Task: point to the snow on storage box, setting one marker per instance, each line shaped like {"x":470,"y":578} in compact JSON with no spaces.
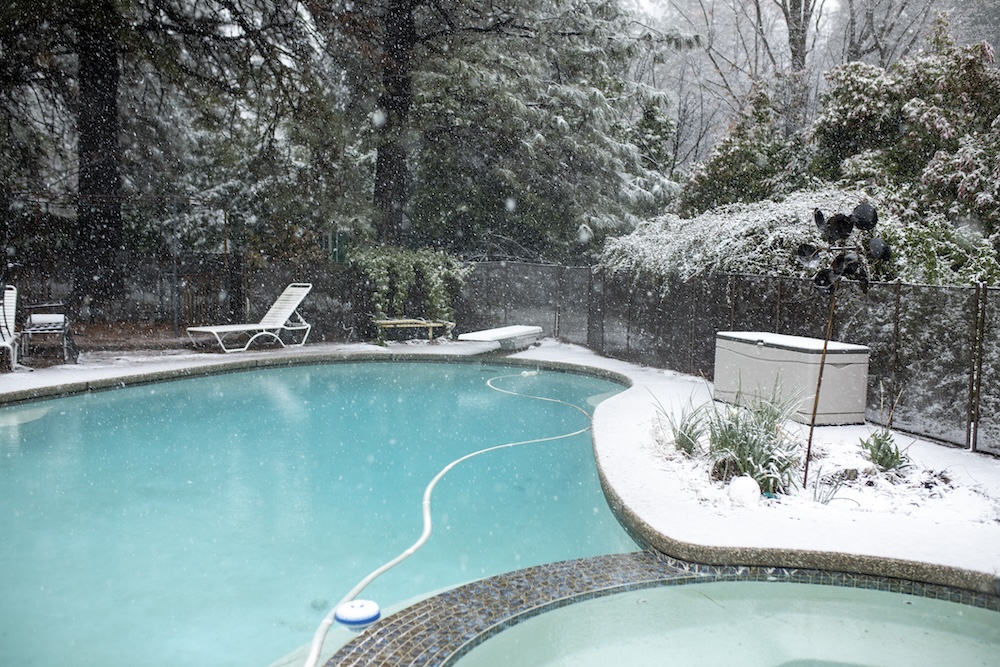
{"x":753,"y":363}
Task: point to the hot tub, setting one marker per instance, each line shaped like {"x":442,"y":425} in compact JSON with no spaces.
{"x":756,"y":363}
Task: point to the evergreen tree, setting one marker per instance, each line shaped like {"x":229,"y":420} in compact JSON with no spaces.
{"x":103,"y":61}
{"x":504,"y":123}
{"x":754,"y":162}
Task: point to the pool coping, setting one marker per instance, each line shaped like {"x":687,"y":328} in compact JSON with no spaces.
{"x":190,"y":368}
{"x":670,"y":555}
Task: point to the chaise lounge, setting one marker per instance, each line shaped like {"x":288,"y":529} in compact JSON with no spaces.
{"x":9,"y":338}
{"x":278,"y":319}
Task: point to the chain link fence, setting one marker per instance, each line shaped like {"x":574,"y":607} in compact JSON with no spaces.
{"x":935,"y":351}
{"x":555,"y":298}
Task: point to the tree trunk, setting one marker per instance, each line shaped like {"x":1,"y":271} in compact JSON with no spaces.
{"x":99,"y":209}
{"x":798,"y":15}
{"x":391,"y":182}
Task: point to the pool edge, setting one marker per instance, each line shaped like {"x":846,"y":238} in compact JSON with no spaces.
{"x":439,"y":631}
{"x":661,"y":545}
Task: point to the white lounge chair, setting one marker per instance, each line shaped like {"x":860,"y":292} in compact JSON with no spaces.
{"x":277,"y":319}
{"x":9,"y":338}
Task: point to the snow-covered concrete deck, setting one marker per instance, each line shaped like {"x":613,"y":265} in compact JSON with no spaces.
{"x":954,"y":547}
{"x":643,"y":490}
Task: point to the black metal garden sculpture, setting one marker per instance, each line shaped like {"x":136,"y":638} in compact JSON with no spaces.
{"x":849,"y":262}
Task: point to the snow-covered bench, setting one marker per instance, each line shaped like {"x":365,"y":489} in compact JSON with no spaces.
{"x":513,"y":337}
{"x":414,"y":323}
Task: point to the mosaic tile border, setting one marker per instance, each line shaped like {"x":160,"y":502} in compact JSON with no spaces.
{"x":438,"y":631}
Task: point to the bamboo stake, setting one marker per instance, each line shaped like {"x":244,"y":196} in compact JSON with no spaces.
{"x":819,"y":384}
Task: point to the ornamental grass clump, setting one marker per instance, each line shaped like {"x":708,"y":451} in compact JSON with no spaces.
{"x":750,"y":439}
{"x":687,"y":429}
{"x":881,"y":449}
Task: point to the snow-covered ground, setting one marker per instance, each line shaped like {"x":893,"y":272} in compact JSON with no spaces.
{"x":945,"y":511}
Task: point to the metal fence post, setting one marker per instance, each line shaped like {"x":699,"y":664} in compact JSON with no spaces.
{"x":976,"y":372}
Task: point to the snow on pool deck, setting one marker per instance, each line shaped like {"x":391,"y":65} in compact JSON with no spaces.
{"x":954,"y":540}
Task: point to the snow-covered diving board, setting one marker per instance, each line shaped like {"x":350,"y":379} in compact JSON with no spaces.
{"x":513,"y":337}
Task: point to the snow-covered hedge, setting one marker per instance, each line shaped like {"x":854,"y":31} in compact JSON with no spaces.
{"x":761,"y":238}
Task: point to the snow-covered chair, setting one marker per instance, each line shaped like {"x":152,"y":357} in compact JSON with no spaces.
{"x":9,"y":338}
{"x":42,"y":323}
{"x":277,"y":319}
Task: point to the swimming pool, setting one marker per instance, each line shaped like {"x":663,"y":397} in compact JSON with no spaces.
{"x":750,"y":624}
{"x":213,"y":521}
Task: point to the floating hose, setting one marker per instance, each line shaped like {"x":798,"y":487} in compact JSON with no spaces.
{"x":317,"y":643}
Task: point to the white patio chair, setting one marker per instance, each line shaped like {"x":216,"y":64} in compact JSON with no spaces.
{"x":9,"y":338}
{"x":278,"y":319}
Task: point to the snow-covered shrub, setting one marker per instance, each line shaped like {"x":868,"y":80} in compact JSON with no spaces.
{"x":920,"y":140}
{"x":411,"y":283}
{"x":931,"y":250}
{"x":754,"y":161}
{"x":925,"y":130}
{"x":758,"y":238}
{"x":761,"y":238}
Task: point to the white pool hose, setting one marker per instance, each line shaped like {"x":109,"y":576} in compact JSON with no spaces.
{"x":317,"y":643}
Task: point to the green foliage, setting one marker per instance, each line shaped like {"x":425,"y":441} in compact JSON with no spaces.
{"x":931,"y":250}
{"x":924,"y":129}
{"x":744,"y":439}
{"x":755,"y":161}
{"x":410,"y":283}
{"x":919,"y":139}
{"x":526,"y":137}
{"x":750,"y":439}
{"x":524,"y":146}
{"x":687,"y":429}
{"x":881,"y":449}
{"x":652,"y":134}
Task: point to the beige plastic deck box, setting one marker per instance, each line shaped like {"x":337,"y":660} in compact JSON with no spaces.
{"x":753,"y":363}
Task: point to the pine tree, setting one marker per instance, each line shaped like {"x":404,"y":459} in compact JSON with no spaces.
{"x":495,"y":123}
{"x":239,"y":54}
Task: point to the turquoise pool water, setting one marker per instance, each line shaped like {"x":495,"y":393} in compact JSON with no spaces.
{"x":214,"y":521}
{"x":749,"y":624}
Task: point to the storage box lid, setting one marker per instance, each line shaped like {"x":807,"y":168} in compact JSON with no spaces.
{"x":797,"y":343}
